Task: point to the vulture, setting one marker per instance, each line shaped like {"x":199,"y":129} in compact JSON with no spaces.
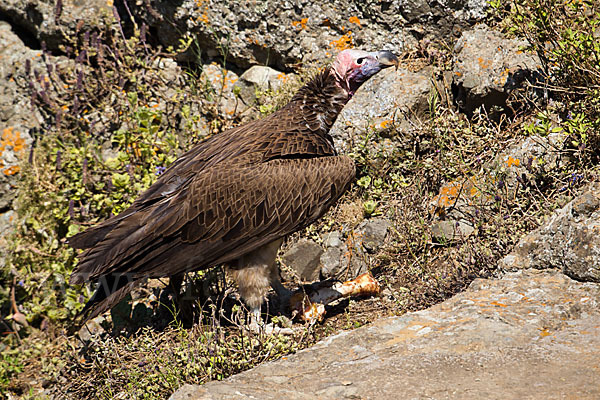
{"x":232,"y":198}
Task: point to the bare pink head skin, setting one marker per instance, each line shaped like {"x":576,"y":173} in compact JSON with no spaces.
{"x":353,"y":67}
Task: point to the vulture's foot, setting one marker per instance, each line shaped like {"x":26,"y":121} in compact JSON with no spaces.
{"x":258,"y":326}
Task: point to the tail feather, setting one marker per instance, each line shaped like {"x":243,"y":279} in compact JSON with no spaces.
{"x":110,"y":291}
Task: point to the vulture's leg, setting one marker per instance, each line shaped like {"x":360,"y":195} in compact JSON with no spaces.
{"x":255,"y":273}
{"x":183,"y":309}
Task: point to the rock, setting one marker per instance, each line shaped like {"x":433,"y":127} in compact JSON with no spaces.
{"x":263,"y":77}
{"x":332,"y":262}
{"x":448,"y":231}
{"x":568,"y":241}
{"x":488,"y":67}
{"x":344,"y":258}
{"x":186,"y":392}
{"x":282,"y":34}
{"x":55,"y":26}
{"x":92,"y":328}
{"x":6,"y":228}
{"x":332,"y":259}
{"x":406,"y":94}
{"x":348,"y":258}
{"x":530,"y":334}
{"x":17,"y":118}
{"x":373,"y":232}
{"x":303,"y":257}
{"x":221,"y":82}
{"x":259,"y":78}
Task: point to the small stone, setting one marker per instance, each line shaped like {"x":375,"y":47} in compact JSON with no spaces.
{"x":92,"y":328}
{"x":332,"y":239}
{"x":373,"y":233}
{"x":258,"y":77}
{"x":451,"y":230}
{"x":303,"y":257}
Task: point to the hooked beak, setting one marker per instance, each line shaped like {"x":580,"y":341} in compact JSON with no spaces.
{"x":387,"y":59}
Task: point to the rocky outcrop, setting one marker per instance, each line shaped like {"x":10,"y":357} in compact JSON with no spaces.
{"x":530,"y":334}
{"x":487,"y":67}
{"x":254,"y":32}
{"x":257,"y":33}
{"x":568,"y":240}
{"x":17,"y":116}
{"x":55,"y":23}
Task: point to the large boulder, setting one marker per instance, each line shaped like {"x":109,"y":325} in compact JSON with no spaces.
{"x":390,"y":110}
{"x":568,"y":240}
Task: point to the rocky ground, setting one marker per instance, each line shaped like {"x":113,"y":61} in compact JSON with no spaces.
{"x":531,"y":334}
{"x":475,"y":204}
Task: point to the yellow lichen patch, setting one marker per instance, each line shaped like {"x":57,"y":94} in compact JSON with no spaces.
{"x":301,"y":24}
{"x":354,"y":20}
{"x":343,"y":43}
{"x":512,"y":161}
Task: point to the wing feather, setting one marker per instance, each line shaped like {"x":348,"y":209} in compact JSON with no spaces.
{"x":253,"y":206}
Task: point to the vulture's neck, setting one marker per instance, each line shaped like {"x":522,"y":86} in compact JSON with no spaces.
{"x":320,"y":101}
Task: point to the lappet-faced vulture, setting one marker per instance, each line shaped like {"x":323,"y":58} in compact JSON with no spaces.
{"x":232,"y":198}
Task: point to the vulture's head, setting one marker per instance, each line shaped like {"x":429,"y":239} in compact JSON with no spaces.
{"x":353,"y":67}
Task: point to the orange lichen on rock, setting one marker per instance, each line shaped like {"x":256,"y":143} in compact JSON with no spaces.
{"x":354,"y":20}
{"x":343,"y":43}
{"x":11,"y":170}
{"x":510,"y":161}
{"x":302,"y":23}
{"x":483,"y":63}
{"x":11,"y":139}
{"x":386,"y":123}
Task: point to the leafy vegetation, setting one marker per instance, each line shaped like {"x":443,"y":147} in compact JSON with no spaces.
{"x":113,"y":126}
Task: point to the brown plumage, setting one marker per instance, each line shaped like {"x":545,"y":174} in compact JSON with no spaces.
{"x":230,"y":199}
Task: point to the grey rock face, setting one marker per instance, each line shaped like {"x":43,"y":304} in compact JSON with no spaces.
{"x":529,"y":334}
{"x":568,"y":241}
{"x":258,"y":32}
{"x":488,"y":66}
{"x":17,"y":117}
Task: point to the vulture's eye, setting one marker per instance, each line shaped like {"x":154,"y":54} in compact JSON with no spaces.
{"x":360,"y":60}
